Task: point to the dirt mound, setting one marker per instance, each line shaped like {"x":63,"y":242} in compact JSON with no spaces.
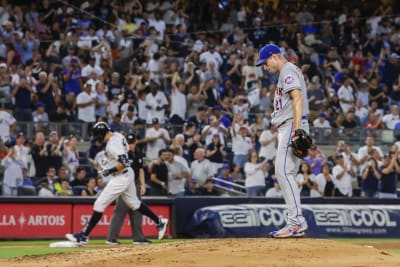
{"x":223,"y":252}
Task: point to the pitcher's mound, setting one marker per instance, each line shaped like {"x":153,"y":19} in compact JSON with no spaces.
{"x":225,"y":252}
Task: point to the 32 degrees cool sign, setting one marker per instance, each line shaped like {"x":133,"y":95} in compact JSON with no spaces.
{"x":34,"y":220}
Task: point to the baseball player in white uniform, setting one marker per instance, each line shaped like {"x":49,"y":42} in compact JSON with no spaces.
{"x":121,"y":183}
{"x":290,"y":113}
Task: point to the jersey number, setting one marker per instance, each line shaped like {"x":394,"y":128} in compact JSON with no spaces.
{"x":278,"y":104}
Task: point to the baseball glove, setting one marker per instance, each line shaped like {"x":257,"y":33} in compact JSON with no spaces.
{"x":301,"y":142}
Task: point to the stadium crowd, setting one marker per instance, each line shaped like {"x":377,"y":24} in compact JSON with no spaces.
{"x":183,"y":74}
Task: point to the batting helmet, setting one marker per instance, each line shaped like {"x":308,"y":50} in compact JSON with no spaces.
{"x":99,"y":131}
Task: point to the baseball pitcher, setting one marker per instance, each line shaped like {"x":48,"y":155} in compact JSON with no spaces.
{"x":290,"y":116}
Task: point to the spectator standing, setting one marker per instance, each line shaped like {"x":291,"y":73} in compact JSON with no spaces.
{"x":86,"y":102}
{"x":195,"y":100}
{"x":316,"y":96}
{"x":215,"y":153}
{"x":177,"y":175}
{"x":370,"y":177}
{"x":40,"y":118}
{"x":389,"y":171}
{"x":241,"y":106}
{"x":70,"y":57}
{"x":12,"y":173}
{"x":316,"y":158}
{"x":305,"y":179}
{"x":130,"y":115}
{"x":346,"y":94}
{"x":201,"y":168}
{"x":365,"y":152}
{"x":54,"y":150}
{"x":46,"y":88}
{"x":324,"y":184}
{"x":156,"y":138}
{"x":22,"y":153}
{"x":5,"y":85}
{"x":199,"y":119}
{"x":159,"y":175}
{"x":211,"y":55}
{"x":178,"y":103}
{"x":215,"y":127}
{"x":72,"y":77}
{"x":7,"y":125}
{"x":102,"y":101}
{"x":114,"y":87}
{"x":241,"y":143}
{"x":268,"y":141}
{"x":350,"y":121}
{"x":23,"y":93}
{"x":71,"y":155}
{"x":210,"y":91}
{"x":341,"y":178}
{"x":251,"y":81}
{"x":361,"y":112}
{"x":40,"y":155}
{"x":390,"y":120}
{"x":156,"y":104}
{"x":377,"y":94}
{"x":254,"y":173}
{"x":363,"y":93}
{"x":394,"y":95}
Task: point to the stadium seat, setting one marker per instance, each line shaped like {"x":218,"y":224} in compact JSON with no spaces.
{"x":387,"y":137}
{"x":26,"y":191}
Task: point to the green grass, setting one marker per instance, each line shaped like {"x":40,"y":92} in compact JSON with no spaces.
{"x":8,"y":248}
{"x":6,"y":253}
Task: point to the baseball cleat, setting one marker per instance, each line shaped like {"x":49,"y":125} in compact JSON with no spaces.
{"x":302,"y":231}
{"x":162,"y":228}
{"x":112,"y":242}
{"x":141,"y":242}
{"x":78,"y":238}
{"x":288,"y":231}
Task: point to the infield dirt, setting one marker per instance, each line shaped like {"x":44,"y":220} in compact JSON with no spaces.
{"x":222,"y":252}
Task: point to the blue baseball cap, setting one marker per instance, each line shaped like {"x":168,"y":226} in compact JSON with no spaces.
{"x":266,"y":52}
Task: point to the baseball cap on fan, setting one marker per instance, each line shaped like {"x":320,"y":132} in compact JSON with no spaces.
{"x":131,"y":138}
{"x":266,"y":52}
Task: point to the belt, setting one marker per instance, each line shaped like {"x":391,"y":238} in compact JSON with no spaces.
{"x":304,"y":117}
{"x":120,"y":172}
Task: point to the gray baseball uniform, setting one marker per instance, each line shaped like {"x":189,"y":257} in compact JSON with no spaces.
{"x":287,"y":164}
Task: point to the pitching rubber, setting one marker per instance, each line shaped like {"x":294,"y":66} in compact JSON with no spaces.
{"x":64,"y":244}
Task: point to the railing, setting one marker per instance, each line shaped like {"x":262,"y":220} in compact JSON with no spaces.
{"x":321,"y":136}
{"x":236,"y":190}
